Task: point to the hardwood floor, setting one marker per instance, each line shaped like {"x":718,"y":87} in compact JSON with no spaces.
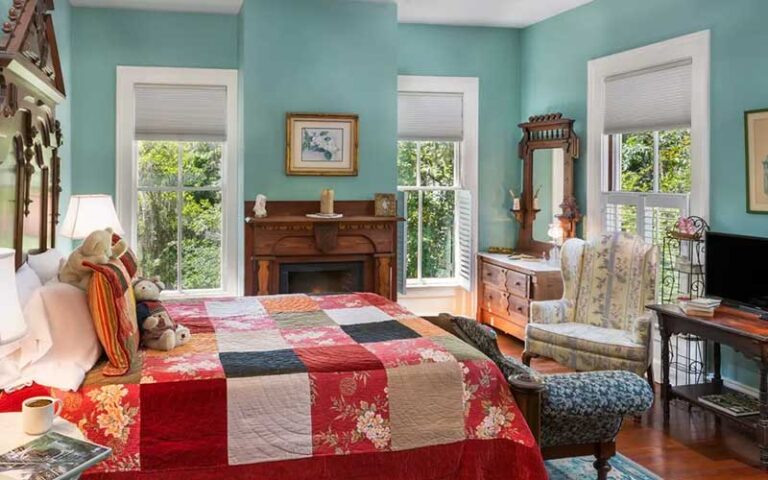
{"x":693,"y":447}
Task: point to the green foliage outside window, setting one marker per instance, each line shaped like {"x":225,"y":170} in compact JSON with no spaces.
{"x":637,"y":174}
{"x":429,"y":165}
{"x":637,"y":158}
{"x":180,"y":197}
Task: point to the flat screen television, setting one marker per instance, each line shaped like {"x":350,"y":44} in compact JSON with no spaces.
{"x":737,"y":270}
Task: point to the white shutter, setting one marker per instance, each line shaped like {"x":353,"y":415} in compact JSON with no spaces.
{"x":430,"y":116}
{"x":648,"y":100}
{"x":648,"y":215}
{"x":465,"y":270}
{"x":181,"y":112}
{"x":402,"y":236}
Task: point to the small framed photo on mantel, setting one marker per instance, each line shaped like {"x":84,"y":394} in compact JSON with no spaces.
{"x":756,"y":124}
{"x":321,"y":144}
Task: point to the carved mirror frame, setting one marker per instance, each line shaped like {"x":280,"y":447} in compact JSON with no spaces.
{"x":546,"y":132}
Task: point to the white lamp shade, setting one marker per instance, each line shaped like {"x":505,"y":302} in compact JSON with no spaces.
{"x":88,"y":213}
{"x":12,"y":324}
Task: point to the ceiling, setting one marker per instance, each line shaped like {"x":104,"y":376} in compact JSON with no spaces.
{"x":231,"y":7}
{"x":496,"y":13}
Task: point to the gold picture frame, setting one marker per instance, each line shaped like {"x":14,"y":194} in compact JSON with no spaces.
{"x":756,"y":137}
{"x":321,"y":144}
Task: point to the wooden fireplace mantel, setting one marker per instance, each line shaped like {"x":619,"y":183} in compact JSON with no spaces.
{"x":288,"y":236}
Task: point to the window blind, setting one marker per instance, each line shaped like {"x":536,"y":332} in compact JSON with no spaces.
{"x":430,"y":116}
{"x":181,"y":112}
{"x":653,"y":99}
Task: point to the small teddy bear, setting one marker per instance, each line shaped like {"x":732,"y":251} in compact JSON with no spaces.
{"x":158,"y":330}
{"x":96,"y":248}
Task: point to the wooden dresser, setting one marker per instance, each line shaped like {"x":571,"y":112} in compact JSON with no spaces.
{"x":507,"y":287}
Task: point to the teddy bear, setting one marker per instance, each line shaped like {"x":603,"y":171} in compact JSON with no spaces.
{"x":96,"y":248}
{"x":158,"y":330}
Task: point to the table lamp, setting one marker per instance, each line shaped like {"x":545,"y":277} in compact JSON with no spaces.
{"x":87,"y":213}
{"x":12,"y":324}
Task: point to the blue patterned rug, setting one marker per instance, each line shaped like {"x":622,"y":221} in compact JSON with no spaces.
{"x":579,"y":468}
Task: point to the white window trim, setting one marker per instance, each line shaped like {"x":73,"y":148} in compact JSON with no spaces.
{"x":469,"y":87}
{"x":126,"y":171}
{"x":696,"y":47}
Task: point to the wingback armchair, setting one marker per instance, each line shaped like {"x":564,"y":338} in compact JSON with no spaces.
{"x":601,"y":322}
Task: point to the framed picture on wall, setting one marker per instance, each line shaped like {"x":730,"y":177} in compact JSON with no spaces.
{"x":321,"y":144}
{"x":756,"y":125}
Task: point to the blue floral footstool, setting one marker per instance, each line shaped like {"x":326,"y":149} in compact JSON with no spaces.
{"x":572,"y":414}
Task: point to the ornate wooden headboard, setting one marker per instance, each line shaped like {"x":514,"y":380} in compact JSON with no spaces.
{"x":31,"y":85}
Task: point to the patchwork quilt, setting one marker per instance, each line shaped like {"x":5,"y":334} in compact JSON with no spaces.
{"x":295,"y":387}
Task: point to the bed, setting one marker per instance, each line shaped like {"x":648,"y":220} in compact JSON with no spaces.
{"x":294,"y":386}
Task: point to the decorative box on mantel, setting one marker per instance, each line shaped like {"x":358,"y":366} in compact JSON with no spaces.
{"x":287,"y":252}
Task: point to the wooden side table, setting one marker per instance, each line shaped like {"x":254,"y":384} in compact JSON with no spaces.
{"x":743,"y":332}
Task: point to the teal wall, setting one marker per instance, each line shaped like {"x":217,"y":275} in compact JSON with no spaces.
{"x":62,"y":20}
{"x":493,"y":55}
{"x":326,"y":56}
{"x":105,"y":38}
{"x":554,"y":78}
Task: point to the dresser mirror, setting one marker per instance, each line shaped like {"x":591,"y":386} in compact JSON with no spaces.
{"x":547,"y":149}
{"x":547,"y":190}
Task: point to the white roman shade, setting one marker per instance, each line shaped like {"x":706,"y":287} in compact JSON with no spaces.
{"x":658,"y":98}
{"x":430,"y":116}
{"x":181,"y":112}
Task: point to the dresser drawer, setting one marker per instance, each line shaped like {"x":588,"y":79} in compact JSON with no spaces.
{"x":518,"y":306}
{"x":494,"y":275}
{"x":495,"y":301}
{"x":517,"y":283}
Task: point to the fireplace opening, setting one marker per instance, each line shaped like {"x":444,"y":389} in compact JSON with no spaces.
{"x":321,"y":277}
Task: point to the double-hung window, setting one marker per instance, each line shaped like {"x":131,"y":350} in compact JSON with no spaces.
{"x":177,"y":185}
{"x":649,"y":138}
{"x":648,"y":160}
{"x":437,"y":175}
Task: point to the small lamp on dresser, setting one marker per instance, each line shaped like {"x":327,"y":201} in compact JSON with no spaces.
{"x":87,"y":213}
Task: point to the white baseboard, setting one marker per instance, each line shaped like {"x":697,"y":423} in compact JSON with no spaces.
{"x":740,"y":387}
{"x":732,"y":384}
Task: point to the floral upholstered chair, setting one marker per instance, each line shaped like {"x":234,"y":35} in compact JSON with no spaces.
{"x":572,"y":414}
{"x":601,"y":322}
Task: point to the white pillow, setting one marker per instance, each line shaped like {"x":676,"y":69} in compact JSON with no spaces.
{"x":27,"y":282}
{"x":61,"y":346}
{"x":46,"y":265}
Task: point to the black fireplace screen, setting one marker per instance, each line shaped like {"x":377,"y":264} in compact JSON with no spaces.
{"x":321,"y":277}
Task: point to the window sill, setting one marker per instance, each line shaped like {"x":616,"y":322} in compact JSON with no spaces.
{"x":433,"y":283}
{"x":198,"y":294}
{"x":421,"y":290}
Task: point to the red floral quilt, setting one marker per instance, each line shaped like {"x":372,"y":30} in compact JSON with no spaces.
{"x":300,"y":387}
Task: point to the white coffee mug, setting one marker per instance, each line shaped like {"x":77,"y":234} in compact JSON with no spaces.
{"x":37,"y":414}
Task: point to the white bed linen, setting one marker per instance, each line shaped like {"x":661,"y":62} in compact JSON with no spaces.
{"x":61,"y":344}
{"x":27,"y":282}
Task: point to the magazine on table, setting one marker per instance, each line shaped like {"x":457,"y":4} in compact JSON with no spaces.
{"x":50,"y":457}
{"x":734,"y":404}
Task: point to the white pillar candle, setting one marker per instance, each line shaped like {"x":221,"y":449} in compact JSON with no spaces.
{"x":326,"y":201}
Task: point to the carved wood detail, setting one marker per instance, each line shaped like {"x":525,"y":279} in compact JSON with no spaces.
{"x":384,"y":278}
{"x":263,"y":277}
{"x":286,"y":235}
{"x":30,"y":85}
{"x":550,"y":131}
